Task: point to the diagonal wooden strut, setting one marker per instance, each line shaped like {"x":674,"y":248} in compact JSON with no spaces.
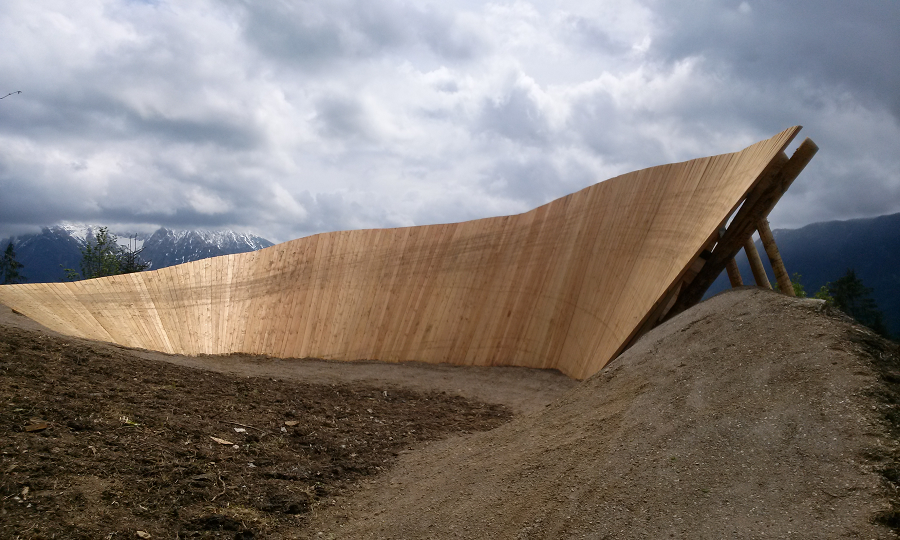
{"x":768,"y":242}
{"x":756,"y":264}
{"x":756,"y":206}
{"x":734,"y":274}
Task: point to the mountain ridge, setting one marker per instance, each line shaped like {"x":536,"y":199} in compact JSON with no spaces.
{"x":45,"y":254}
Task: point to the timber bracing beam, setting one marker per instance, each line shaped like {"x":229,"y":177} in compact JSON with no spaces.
{"x":759,"y":202}
{"x":756,"y":264}
{"x":734,"y":274}
{"x":778,"y":268}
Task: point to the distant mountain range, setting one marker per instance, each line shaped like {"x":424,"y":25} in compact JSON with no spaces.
{"x":167,"y":248}
{"x":823,"y":252}
{"x":45,"y":254}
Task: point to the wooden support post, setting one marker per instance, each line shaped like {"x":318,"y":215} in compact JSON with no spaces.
{"x":734,"y":274}
{"x":781,"y":274}
{"x":759,"y":202}
{"x":756,"y":264}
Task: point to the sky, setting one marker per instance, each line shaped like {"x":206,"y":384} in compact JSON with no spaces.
{"x":286,"y":118}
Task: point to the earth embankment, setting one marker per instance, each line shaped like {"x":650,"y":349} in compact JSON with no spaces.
{"x":753,"y":415}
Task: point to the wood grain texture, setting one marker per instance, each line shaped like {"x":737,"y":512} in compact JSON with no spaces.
{"x":564,"y":286}
{"x":756,"y":265}
{"x":775,"y":261}
{"x":734,"y":273}
{"x":762,"y":198}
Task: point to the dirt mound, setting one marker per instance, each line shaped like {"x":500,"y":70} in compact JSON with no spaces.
{"x":752,"y":415}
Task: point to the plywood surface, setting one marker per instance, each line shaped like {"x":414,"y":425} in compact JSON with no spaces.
{"x":563,"y":286}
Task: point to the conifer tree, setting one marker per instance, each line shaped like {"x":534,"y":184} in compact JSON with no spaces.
{"x":103,"y":256}
{"x":855,"y":299}
{"x":9,"y":266}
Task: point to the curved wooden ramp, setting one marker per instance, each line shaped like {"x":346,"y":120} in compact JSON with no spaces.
{"x":567,"y":285}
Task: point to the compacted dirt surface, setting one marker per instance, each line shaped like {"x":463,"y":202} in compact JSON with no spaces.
{"x":752,"y":415}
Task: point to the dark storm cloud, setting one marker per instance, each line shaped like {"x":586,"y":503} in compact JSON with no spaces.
{"x":105,"y":117}
{"x":96,"y":103}
{"x":844,"y":47}
{"x":26,"y":205}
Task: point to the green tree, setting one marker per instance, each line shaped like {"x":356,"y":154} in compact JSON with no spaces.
{"x":130,"y":259}
{"x":9,"y":266}
{"x":855,"y":299}
{"x":103,"y":256}
{"x":823,"y":294}
{"x":799,"y":291}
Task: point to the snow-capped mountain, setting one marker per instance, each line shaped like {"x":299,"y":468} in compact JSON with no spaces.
{"x":81,"y":232}
{"x":46,"y":254}
{"x":166,"y":247}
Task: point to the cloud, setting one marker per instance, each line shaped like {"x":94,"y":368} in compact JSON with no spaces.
{"x":516,"y":115}
{"x":592,"y":35}
{"x":342,"y":118}
{"x":534,"y":180}
{"x":293,"y":117}
{"x":316,"y":35}
{"x":824,"y":43}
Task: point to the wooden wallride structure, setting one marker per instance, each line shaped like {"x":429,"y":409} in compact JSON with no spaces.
{"x":567,"y":285}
